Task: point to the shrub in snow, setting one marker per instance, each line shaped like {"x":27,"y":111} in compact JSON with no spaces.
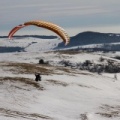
{"x":117,"y":57}
{"x":65,"y":63}
{"x":41,"y":61}
{"x":109,"y":67}
{"x":101,"y":59}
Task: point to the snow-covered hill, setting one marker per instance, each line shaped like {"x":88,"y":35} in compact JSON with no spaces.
{"x":64,"y":93}
{"x":27,"y":44}
{"x":86,"y":40}
{"x":95,"y":41}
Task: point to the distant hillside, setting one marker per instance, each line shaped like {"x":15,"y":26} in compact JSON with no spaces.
{"x":87,"y":38}
{"x":90,"y":41}
{"x":33,"y":36}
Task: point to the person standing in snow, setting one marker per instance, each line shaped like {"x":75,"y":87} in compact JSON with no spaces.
{"x":37,"y":77}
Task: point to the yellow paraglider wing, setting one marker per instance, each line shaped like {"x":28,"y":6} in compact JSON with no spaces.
{"x":50,"y":26}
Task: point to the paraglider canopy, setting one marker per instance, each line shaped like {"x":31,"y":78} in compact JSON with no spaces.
{"x":48,"y":25}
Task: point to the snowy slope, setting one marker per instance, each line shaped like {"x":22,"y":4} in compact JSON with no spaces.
{"x":63,"y":94}
{"x":28,"y":44}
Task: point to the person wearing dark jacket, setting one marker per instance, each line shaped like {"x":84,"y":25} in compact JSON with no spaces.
{"x":37,"y":77}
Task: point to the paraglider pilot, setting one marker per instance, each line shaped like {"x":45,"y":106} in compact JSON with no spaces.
{"x":37,"y":77}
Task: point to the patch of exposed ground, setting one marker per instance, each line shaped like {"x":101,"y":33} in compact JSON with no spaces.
{"x":83,"y":117}
{"x":66,"y":70}
{"x":71,"y":71}
{"x":68,"y":52}
{"x":26,"y":81}
{"x":110,"y":111}
{"x":26,"y":68}
{"x":56,"y":82}
{"x":64,"y":84}
{"x":45,"y":69}
{"x":23,"y":115}
{"x":85,"y":86}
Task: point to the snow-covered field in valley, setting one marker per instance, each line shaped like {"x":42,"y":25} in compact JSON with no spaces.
{"x":65,"y":93}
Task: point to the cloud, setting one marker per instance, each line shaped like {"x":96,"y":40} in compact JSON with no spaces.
{"x":64,"y":12}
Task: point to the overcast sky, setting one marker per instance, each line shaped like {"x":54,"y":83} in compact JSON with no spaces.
{"x":72,"y":15}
